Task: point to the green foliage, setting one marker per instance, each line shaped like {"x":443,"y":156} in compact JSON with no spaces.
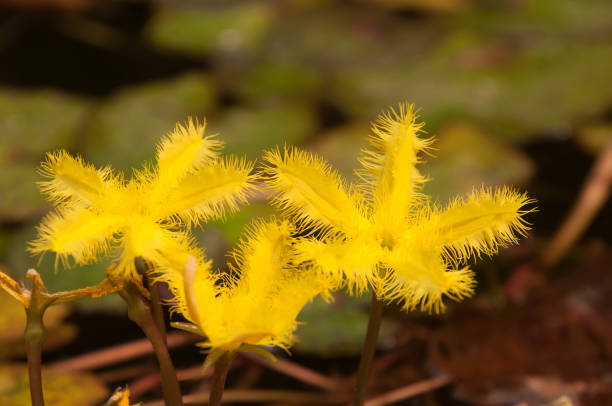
{"x":248,"y":131}
{"x":125,"y":128}
{"x":338,"y":328}
{"x":200,"y":30}
{"x":61,"y":389}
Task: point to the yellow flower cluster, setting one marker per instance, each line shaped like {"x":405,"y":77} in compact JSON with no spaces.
{"x":258,"y":302}
{"x":382,"y":233}
{"x":99,"y":212}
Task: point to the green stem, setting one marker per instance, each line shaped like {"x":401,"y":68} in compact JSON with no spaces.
{"x":222,"y":366}
{"x":369,"y":348}
{"x":36,"y":302}
{"x":34,"y":336}
{"x":139,"y":312}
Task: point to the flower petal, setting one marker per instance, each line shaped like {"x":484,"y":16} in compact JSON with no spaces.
{"x":78,"y":233}
{"x":262,"y":256}
{"x":353,"y":261}
{"x":183,"y":151}
{"x":420,"y":279}
{"x":72,"y":180}
{"x":389,"y":169}
{"x":482,"y":222}
{"x":307,"y":187}
{"x":209,"y":192}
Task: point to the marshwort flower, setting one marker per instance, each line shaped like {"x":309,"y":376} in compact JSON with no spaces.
{"x":99,"y":212}
{"x":256,"y":303}
{"x":384,"y":232}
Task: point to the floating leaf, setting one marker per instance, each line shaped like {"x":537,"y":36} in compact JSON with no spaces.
{"x":338,"y":328}
{"x":61,"y":389}
{"x":233,"y":226}
{"x":465,"y":158}
{"x":341,"y":146}
{"x":34,"y":122}
{"x":248,"y":131}
{"x":241,"y":26}
{"x":518,"y":90}
{"x":20,"y":199}
{"x":274,"y":78}
{"x":128,"y":125}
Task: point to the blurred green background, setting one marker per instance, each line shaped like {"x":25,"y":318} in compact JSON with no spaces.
{"x":105,"y":79}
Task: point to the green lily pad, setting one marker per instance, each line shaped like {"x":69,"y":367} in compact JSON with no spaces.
{"x":126,"y":128}
{"x":338,"y":328}
{"x":341,"y":147}
{"x":518,"y":89}
{"x":200,"y":30}
{"x":507,"y":101}
{"x":466,"y":158}
{"x":232,"y":228}
{"x":20,"y":199}
{"x":249,"y":131}
{"x":34,"y":122}
{"x":280,"y":79}
{"x":60,"y":389}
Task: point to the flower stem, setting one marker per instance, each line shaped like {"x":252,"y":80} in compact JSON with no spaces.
{"x":222,"y":366}
{"x":139,"y":312}
{"x":36,"y":301}
{"x":34,"y":336}
{"x":157,"y":310}
{"x":369,"y":348}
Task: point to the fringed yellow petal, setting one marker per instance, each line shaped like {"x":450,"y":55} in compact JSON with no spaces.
{"x":352,"y":262}
{"x":72,"y":180}
{"x":268,"y":320}
{"x":78,"y":233}
{"x":251,"y":300}
{"x":482,"y":222}
{"x":259,"y":303}
{"x":184,"y":150}
{"x":389,"y":169}
{"x":262,"y":256}
{"x":420,"y":280}
{"x":307,"y":187}
{"x":211,"y":191}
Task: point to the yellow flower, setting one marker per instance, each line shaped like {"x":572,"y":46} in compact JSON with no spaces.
{"x":120,"y":397}
{"x":257,"y":302}
{"x":384,"y":232}
{"x":99,"y":212}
